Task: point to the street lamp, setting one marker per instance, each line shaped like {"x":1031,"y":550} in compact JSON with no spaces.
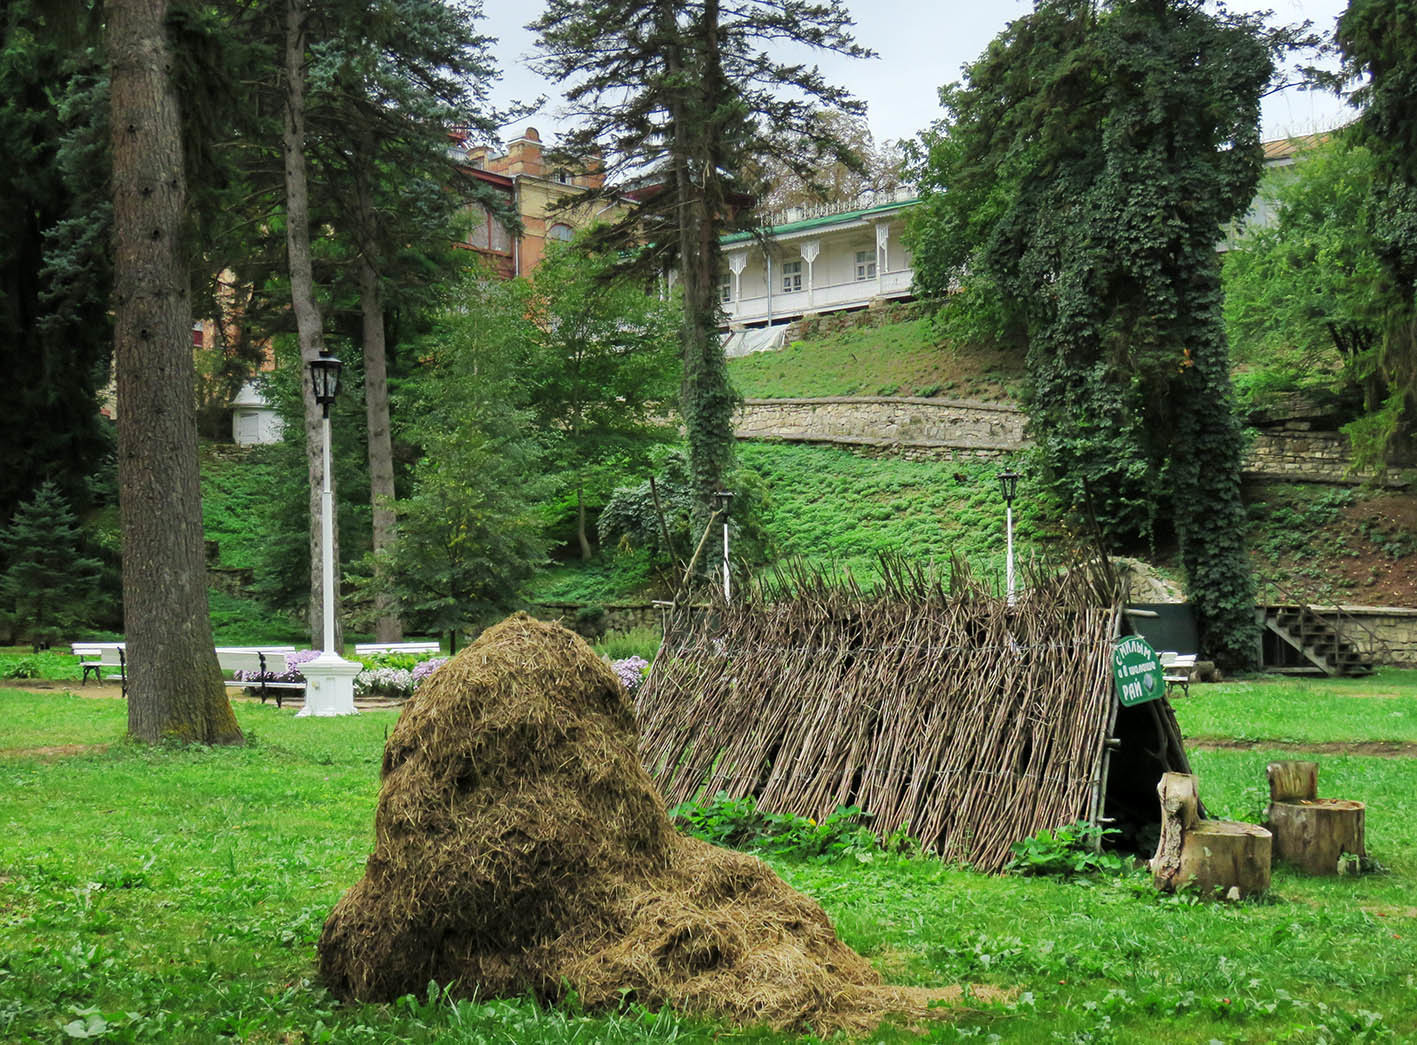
{"x":723,"y":500}
{"x":329,"y":678}
{"x":1008,"y":486}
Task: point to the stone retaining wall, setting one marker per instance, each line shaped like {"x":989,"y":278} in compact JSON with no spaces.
{"x":947,"y":429}
{"x":1297,"y":453}
{"x":592,"y":620}
{"x":886,"y":421}
{"x":1388,"y":634}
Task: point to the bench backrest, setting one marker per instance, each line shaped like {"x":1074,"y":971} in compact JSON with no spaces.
{"x":396,"y":647}
{"x":111,"y":653}
{"x":250,"y":660}
{"x":85,"y":649}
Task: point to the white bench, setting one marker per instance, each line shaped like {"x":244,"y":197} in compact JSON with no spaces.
{"x":110,"y":655}
{"x":394,"y":647}
{"x":262,"y":661}
{"x":1176,"y":669}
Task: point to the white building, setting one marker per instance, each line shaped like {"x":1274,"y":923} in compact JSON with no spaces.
{"x":811,"y":260}
{"x":253,"y":420}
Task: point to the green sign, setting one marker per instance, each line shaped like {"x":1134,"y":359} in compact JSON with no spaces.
{"x":1137,"y":669}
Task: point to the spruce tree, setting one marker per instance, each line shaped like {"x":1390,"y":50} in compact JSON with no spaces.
{"x":48,"y":576}
{"x":683,"y":100}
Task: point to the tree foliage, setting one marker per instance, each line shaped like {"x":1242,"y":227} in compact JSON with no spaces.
{"x":1303,"y":302}
{"x":470,"y":532}
{"x":1378,"y":39}
{"x":55,"y":262}
{"x":599,"y":375}
{"x":684,"y":100}
{"x":48,"y":576}
{"x":1076,"y":191}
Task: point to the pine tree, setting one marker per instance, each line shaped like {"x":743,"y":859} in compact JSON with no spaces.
{"x":48,"y":577}
{"x":683,"y":99}
{"x":175,"y":688}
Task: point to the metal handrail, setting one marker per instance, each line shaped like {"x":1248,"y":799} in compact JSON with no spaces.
{"x":1379,"y":644}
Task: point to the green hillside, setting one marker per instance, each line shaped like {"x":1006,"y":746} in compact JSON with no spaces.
{"x":896,"y":359}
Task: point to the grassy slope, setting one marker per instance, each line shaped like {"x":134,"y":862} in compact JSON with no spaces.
{"x":834,"y":508}
{"x":186,"y":920}
{"x":830,"y":506}
{"x":897,"y":359}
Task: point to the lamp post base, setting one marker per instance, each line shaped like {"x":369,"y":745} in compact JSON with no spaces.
{"x":329,"y":685}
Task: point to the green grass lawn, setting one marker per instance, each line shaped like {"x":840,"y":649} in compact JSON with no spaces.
{"x":176,"y":895}
{"x":896,"y":359}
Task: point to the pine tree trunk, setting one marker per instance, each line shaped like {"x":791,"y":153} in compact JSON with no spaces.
{"x":706,"y":397}
{"x":308,"y":321}
{"x":175,"y":686}
{"x":387,"y":626}
{"x":581,"y":534}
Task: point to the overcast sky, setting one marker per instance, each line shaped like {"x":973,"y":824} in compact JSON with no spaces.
{"x":922,"y":44}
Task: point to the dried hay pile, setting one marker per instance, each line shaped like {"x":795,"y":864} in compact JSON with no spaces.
{"x":521,"y":847}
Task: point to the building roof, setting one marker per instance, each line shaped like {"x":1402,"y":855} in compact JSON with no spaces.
{"x":823,"y":221}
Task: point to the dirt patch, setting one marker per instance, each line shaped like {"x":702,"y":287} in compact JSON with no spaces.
{"x":1380,"y":748}
{"x":521,"y":847}
{"x":1322,"y":549}
{"x":1389,"y":911}
{"x":54,"y":752}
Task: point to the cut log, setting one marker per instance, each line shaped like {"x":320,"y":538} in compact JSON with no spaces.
{"x":1209,"y":856}
{"x":1292,"y":781}
{"x":1311,"y":833}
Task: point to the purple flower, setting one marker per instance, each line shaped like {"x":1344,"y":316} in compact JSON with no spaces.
{"x":631,"y":671}
{"x":424,"y":668}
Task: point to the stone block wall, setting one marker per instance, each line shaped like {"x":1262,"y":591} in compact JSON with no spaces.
{"x":1388,"y":634}
{"x":886,"y":421}
{"x":1297,"y":452}
{"x":592,"y":625}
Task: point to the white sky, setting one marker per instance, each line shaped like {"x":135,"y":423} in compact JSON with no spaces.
{"x":922,"y":44}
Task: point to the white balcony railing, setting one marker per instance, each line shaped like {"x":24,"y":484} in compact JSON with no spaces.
{"x":833,"y":296}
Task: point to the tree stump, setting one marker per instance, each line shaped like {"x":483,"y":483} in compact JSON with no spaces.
{"x":1311,"y":833}
{"x":1208,"y":855}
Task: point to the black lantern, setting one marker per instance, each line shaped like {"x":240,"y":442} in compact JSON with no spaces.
{"x":722,"y":500}
{"x":1008,"y":485}
{"x":324,"y":376}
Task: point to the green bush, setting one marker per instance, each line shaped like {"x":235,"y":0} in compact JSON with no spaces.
{"x":637,"y":642}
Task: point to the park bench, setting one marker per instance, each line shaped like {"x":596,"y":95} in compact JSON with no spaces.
{"x":1176,"y":670}
{"x":110,"y":655}
{"x":364,"y":648}
{"x":262,"y":662}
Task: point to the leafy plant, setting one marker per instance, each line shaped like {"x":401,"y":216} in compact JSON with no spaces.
{"x":738,"y":823}
{"x":1066,"y":851}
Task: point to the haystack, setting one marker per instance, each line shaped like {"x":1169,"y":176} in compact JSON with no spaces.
{"x":521,"y":847}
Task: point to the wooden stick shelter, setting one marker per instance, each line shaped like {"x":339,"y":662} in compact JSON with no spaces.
{"x":938,"y":709}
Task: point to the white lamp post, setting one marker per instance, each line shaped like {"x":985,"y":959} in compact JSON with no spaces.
{"x":1008,"y":486}
{"x":329,"y":678}
{"x":724,"y":499}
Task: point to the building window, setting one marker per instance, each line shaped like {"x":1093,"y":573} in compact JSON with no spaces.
{"x":559,"y":232}
{"x":563,"y":177}
{"x":725,"y":289}
{"x":791,"y":277}
{"x":865,"y":264}
{"x":198,"y":338}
